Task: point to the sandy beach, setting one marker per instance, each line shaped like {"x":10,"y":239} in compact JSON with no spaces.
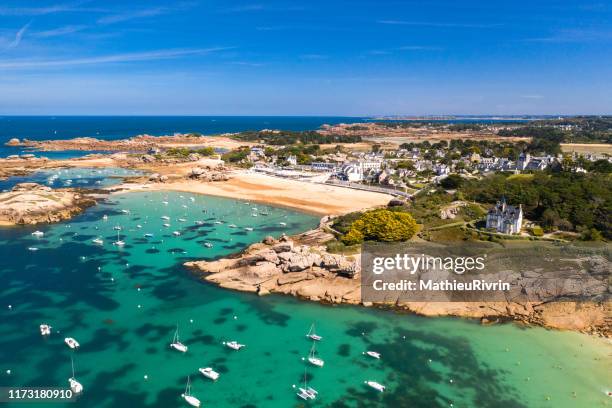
{"x":304,"y":196}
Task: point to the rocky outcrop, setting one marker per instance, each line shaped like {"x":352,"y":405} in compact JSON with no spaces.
{"x":308,"y":271}
{"x":284,"y":267}
{"x":31,"y":203}
{"x":209,"y":173}
{"x":158,"y":178}
{"x":13,"y":142}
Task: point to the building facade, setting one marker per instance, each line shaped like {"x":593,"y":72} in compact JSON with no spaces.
{"x":504,"y":218}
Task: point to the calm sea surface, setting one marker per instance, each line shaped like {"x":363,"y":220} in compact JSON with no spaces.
{"x":118,"y":127}
{"x":123,"y":305}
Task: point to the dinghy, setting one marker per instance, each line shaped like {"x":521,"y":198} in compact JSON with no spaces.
{"x":208,"y":245}
{"x":373,"y":354}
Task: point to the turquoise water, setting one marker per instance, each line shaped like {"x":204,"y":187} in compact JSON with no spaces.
{"x":81,"y":177}
{"x":123,"y":304}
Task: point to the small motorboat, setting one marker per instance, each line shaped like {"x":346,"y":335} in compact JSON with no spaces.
{"x":176,"y":233}
{"x":165,"y":217}
{"x":373,"y":354}
{"x":72,"y":343}
{"x":248,"y":229}
{"x":148,"y":235}
{"x":209,"y":373}
{"x":176,"y":343}
{"x":182,"y":219}
{"x":125,"y":211}
{"x":377,"y":386}
{"x":105,"y":217}
{"x":138,"y":226}
{"x":32,"y":249}
{"x":282,"y":224}
{"x":166,"y":225}
{"x":97,"y":241}
{"x":234,"y":345}
{"x":198,"y":222}
{"x":208,"y":245}
{"x":190,"y":399}
{"x":233,"y":226}
{"x":164,"y":202}
{"x":38,"y":234}
{"x":218,"y":222}
{"x":45,"y":329}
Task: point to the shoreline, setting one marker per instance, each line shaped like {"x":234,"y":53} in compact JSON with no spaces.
{"x":307,"y":272}
{"x":292,"y":194}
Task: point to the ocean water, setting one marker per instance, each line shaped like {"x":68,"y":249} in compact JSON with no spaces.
{"x":78,"y":177}
{"x":119,"y":127}
{"x":123,"y":305}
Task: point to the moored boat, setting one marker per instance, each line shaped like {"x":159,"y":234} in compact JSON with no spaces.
{"x":176,"y":343}
{"x":45,"y":329}
{"x":377,"y":386}
{"x":209,"y":373}
{"x":234,"y":345}
{"x":72,"y":343}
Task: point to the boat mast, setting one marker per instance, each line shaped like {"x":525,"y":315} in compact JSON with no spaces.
{"x":72,"y":364}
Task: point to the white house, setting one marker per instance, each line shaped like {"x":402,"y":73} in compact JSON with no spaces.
{"x":505,"y":218}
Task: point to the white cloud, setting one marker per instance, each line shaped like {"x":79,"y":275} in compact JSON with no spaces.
{"x":108,"y":59}
{"x":19,"y":36}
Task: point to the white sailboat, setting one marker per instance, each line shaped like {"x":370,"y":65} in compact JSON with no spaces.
{"x":373,"y":354}
{"x":248,"y":229}
{"x":118,"y":242}
{"x":165,"y":217}
{"x":176,"y":343}
{"x":75,"y":386}
{"x":45,"y":329}
{"x":234,"y":345}
{"x":191,"y":400}
{"x":209,"y":373}
{"x":312,"y":334}
{"x":312,"y":359}
{"x":282,"y":224}
{"x":72,"y":343}
{"x":38,"y":234}
{"x":376,"y":385}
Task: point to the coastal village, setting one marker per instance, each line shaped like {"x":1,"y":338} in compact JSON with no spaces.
{"x":441,"y":184}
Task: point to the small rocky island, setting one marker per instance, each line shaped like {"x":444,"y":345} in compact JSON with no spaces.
{"x":32,"y":203}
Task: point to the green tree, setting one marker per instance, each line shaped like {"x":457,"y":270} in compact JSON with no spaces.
{"x":381,"y":225}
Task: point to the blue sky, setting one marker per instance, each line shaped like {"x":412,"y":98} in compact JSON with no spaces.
{"x":305,"y":58}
